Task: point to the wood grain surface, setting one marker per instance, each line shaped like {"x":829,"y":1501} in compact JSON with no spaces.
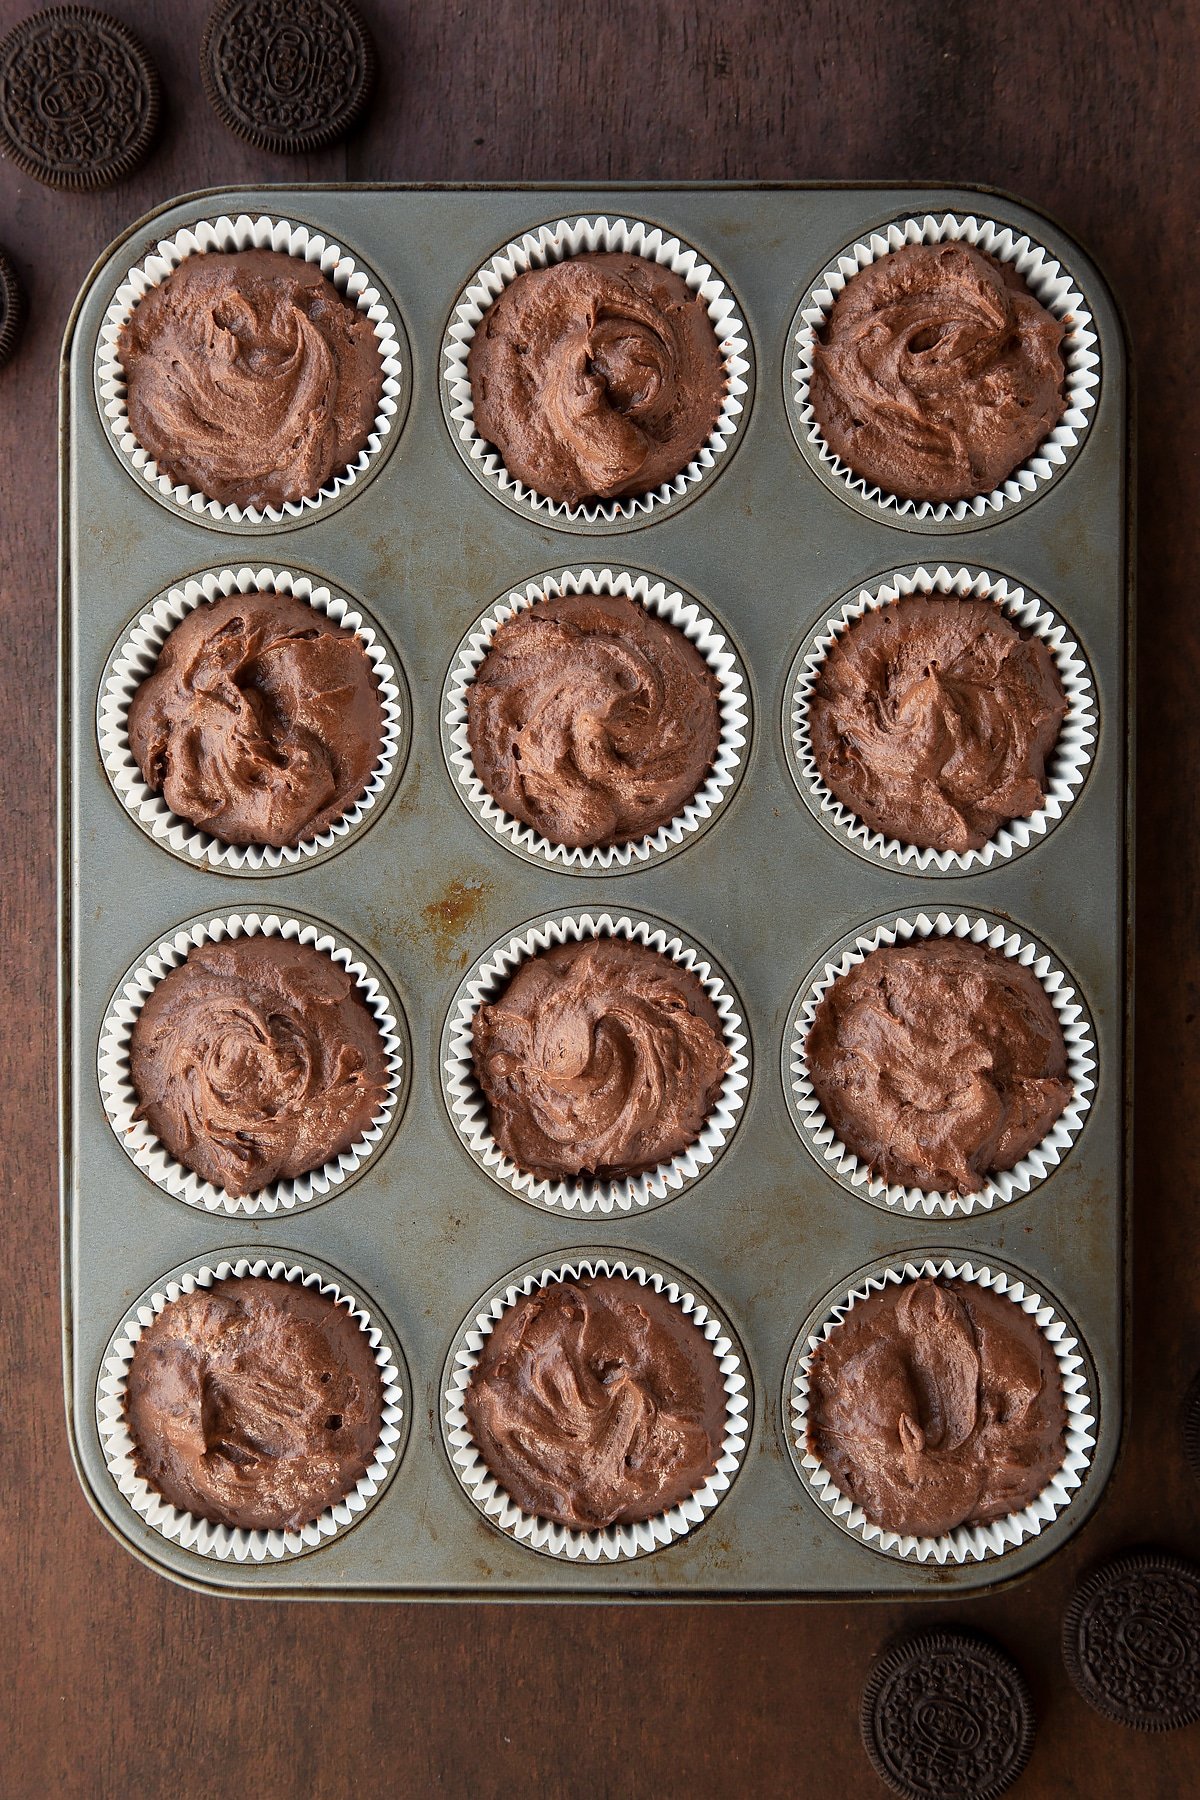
{"x":113,"y":1682}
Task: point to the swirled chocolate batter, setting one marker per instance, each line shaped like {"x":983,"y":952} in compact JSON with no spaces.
{"x":253,"y":1403}
{"x":249,"y":377}
{"x":592,"y":720}
{"x":599,"y":1059}
{"x":597,"y":1402}
{"x":596,"y":378}
{"x":937,"y":1404}
{"x":939,"y":1063}
{"x":937,"y":372}
{"x":932,"y":720}
{"x":257,"y":1060}
{"x":261,"y":721}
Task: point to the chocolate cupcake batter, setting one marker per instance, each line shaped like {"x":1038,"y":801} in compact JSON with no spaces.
{"x":597,"y":1402}
{"x":254,"y":1403}
{"x":596,"y":378}
{"x":937,"y":1404}
{"x":939,"y":1063}
{"x":932,"y":720}
{"x":937,"y":373}
{"x":261,"y":721}
{"x":599,"y":1059}
{"x":592,"y":720}
{"x":249,"y":377}
{"x":257,"y":1060}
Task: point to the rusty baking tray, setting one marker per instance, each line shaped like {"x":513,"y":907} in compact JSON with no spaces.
{"x":770,"y":543}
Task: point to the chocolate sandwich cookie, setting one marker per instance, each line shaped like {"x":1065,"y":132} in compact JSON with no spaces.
{"x":946,"y":1715}
{"x":1131,"y":1640}
{"x":79,"y":98}
{"x":1191,"y":1428}
{"x":12,"y":309}
{"x":290,"y":77}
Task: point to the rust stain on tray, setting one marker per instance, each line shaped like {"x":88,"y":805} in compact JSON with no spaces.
{"x":446,"y":917}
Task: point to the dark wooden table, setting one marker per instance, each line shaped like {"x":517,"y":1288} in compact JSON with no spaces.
{"x":114,"y":1682}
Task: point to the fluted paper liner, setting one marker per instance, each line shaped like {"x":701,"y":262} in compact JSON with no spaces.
{"x":231,"y":1543}
{"x":468,"y":1107}
{"x":967,"y":1543}
{"x":1047,"y":280}
{"x":244,"y":233}
{"x":137,"y":657}
{"x":662,"y":602}
{"x":552,"y":243}
{"x":120,"y":1097}
{"x":1066,"y":766}
{"x":1000,"y":1188}
{"x":615,"y":1541}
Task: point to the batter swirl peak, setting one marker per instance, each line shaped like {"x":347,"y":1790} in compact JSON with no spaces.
{"x":935,"y":1404}
{"x":596,"y":378}
{"x":937,"y":372}
{"x":250,"y":378}
{"x":592,"y":720}
{"x":600,"y":1059}
{"x":257,"y":1060}
{"x":597,"y":1402}
{"x":933,"y":719}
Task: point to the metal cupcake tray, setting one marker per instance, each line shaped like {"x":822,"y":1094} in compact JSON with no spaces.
{"x":770,"y":545}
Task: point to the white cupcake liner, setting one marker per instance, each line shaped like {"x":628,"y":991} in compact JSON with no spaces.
{"x":967,"y":1543}
{"x":135,"y":658}
{"x":662,"y":602}
{"x":1001,"y":1188}
{"x":226,"y":1542}
{"x":552,"y":243}
{"x":244,"y":233}
{"x":615,"y":1541}
{"x":1066,"y":767}
{"x":468,"y":1108}
{"x":120,"y":1098}
{"x":1047,"y":280}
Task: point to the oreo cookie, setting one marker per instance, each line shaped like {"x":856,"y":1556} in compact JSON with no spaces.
{"x":287,"y":75}
{"x":12,"y":309}
{"x":79,"y":98}
{"x":947,"y":1714}
{"x":1131,"y":1640}
{"x":1191,"y":1428}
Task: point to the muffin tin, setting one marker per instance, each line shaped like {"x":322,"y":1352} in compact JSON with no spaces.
{"x":426,"y":889}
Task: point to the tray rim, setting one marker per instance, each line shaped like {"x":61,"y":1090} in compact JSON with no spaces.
{"x":65,"y":915}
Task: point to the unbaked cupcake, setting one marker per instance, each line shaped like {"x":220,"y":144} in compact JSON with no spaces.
{"x":937,"y":373}
{"x":256,"y":1060}
{"x":933,"y":720}
{"x":261,"y":722}
{"x":600,"y":1059}
{"x":938,"y":1063}
{"x":597,"y":1402}
{"x":936,"y":1404}
{"x":253,"y":1403}
{"x":249,"y":378}
{"x":599,"y":377}
{"x":591,"y":720}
